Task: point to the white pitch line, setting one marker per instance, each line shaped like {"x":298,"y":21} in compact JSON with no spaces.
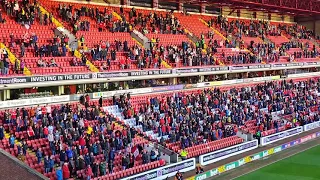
{"x":274,"y":162}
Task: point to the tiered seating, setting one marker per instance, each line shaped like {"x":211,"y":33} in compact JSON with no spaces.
{"x":53,"y":7}
{"x":247,"y":40}
{"x":63,"y":66}
{"x":45,"y":36}
{"x":278,"y":40}
{"x":169,"y":39}
{"x":199,"y":148}
{"x":194,"y":25}
{"x":43,"y":143}
{"x":250,"y":127}
{"x":207,"y":147}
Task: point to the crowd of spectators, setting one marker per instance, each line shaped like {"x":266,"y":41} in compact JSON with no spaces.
{"x":212,"y":114}
{"x":155,"y":22}
{"x":107,"y":53}
{"x":25,"y":12}
{"x":104,"y":19}
{"x":298,"y":31}
{"x":78,"y":136}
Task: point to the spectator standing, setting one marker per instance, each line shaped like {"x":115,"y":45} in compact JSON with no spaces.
{"x":59,"y":174}
{"x":39,"y":155}
{"x":89,"y":172}
{"x":1,"y":132}
{"x":46,"y":164}
{"x":102,"y":168}
{"x":11,"y":141}
{"x":65,"y":171}
{"x":184,"y":154}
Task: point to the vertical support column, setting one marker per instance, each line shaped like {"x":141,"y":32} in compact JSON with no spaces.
{"x":201,"y":79}
{"x":1,"y":95}
{"x":106,"y":85}
{"x":61,"y":90}
{"x":202,"y":9}
{"x":125,"y":85}
{"x":155,"y":4}
{"x":6,"y":94}
{"x":84,"y":87}
{"x":245,"y":75}
{"x":173,"y":81}
{"x":180,"y":6}
{"x":125,"y":2}
{"x":314,"y":26}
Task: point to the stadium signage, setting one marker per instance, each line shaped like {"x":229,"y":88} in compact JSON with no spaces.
{"x":101,"y":75}
{"x":281,"y":135}
{"x":34,"y":101}
{"x":248,"y":159}
{"x":166,"y":171}
{"x":311,"y":126}
{"x":15,"y":80}
{"x":227,"y":152}
{"x":137,"y":91}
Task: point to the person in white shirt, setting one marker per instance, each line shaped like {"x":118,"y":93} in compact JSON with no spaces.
{"x":48,"y":109}
{"x":50,"y":138}
{"x":50,"y":129}
{"x":39,"y":112}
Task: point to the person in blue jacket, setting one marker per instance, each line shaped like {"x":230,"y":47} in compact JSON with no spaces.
{"x":62,"y":157}
{"x":51,"y":163}
{"x":112,"y":154}
{"x":95,"y":148}
{"x":1,"y":133}
{"x":46,"y":164}
{"x":11,"y":141}
{"x":69,"y":153}
{"x":59,"y":173}
{"x":39,"y":155}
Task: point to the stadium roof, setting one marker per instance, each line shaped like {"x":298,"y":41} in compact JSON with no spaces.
{"x":297,"y":7}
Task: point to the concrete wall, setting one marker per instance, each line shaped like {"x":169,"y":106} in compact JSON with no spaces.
{"x":310,"y":22}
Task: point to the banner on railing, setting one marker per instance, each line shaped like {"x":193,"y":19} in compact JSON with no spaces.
{"x":150,"y":72}
{"x":34,"y":101}
{"x":119,"y":92}
{"x":281,"y":135}
{"x":166,"y":171}
{"x":248,"y":159}
{"x":227,"y":152}
{"x":311,"y":126}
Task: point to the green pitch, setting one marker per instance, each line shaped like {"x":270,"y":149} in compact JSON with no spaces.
{"x":302,"y":166}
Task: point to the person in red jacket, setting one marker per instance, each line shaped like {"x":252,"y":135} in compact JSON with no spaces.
{"x":86,"y":123}
{"x":82,"y":142}
{"x":30,"y":132}
{"x":65,"y":171}
{"x":89,"y":172}
{"x":45,"y":131}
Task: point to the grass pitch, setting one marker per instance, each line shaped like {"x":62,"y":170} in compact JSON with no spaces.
{"x":302,"y":166}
